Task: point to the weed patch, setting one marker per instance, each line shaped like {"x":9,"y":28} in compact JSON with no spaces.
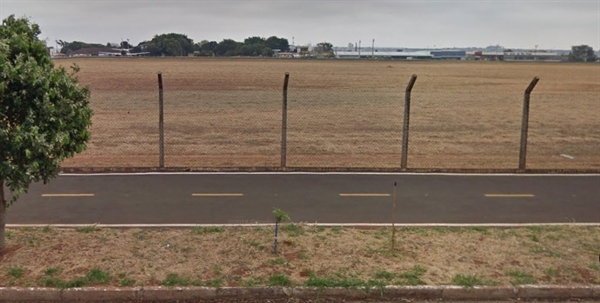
{"x":413,"y":276}
{"x":277,"y":261}
{"x":51,"y":271}
{"x":16,"y":272}
{"x":207,"y":230}
{"x":280,"y":280}
{"x":520,"y":277}
{"x":251,"y":282}
{"x":96,"y":275}
{"x":469,"y":281}
{"x":87,"y":229}
{"x":173,"y":279}
{"x":293,"y":230}
{"x":126,"y":282}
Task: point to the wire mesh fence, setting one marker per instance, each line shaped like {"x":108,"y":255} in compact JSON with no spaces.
{"x":344,"y":129}
{"x":208,"y":126}
{"x":212,"y":128}
{"x":564,"y":131}
{"x":464,"y":130}
{"x":124,"y":131}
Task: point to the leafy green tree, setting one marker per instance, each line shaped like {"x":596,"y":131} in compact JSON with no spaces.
{"x":125,"y":44}
{"x":324,"y":47}
{"x":171,"y":44}
{"x":278,"y":43}
{"x":208,"y":48}
{"x":69,"y":47}
{"x":254,"y":40}
{"x":44,"y":114}
{"x":227,"y":47}
{"x":141,"y":47}
{"x":582,"y":53}
{"x":254,"y":50}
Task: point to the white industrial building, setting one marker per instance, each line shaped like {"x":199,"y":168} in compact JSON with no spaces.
{"x":418,"y":55}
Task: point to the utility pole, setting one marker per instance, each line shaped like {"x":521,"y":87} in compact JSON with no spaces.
{"x":373,"y":50}
{"x":359,"y":49}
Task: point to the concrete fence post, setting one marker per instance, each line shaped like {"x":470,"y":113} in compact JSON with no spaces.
{"x":407,"y":95}
{"x":161,"y":126}
{"x":525,"y":124}
{"x":284,"y":122}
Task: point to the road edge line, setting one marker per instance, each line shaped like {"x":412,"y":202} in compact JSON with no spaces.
{"x":333,"y":173}
{"x":357,"y":225}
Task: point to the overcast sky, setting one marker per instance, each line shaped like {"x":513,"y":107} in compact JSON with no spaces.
{"x":393,"y":23}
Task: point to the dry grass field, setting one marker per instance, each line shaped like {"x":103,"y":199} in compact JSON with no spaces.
{"x":307,"y":255}
{"x":341,"y":113}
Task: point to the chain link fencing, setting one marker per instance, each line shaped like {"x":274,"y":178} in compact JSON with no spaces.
{"x":464,"y":130}
{"x":206,"y":126}
{"x":344,"y":129}
{"x":212,"y":128}
{"x":564,"y":131}
{"x":124,"y":131}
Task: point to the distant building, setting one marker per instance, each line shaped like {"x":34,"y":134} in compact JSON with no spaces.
{"x":448,"y":54}
{"x":416,"y":55}
{"x":517,"y":56}
{"x":91,"y":52}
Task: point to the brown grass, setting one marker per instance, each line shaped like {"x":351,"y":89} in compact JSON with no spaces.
{"x":244,"y":256}
{"x":227,"y":112}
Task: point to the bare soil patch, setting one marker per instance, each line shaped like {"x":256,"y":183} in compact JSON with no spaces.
{"x":307,"y":255}
{"x":341,"y":113}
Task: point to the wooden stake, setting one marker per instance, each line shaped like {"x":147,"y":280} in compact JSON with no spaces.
{"x":394,"y":217}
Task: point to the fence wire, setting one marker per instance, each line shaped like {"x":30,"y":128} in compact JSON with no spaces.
{"x":344,"y":128}
{"x":464,"y":130}
{"x":564,"y":131}
{"x":222,"y":128}
{"x":124,"y":131}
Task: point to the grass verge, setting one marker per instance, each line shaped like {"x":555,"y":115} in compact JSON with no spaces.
{"x":307,"y":256}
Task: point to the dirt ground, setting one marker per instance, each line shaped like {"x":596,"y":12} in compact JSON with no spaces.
{"x":236,"y":256}
{"x":341,"y":113}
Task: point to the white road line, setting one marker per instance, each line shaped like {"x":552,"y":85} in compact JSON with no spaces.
{"x":509,"y":195}
{"x":364,"y":195}
{"x":307,"y":224}
{"x":333,"y":173}
{"x":67,"y":195}
{"x":217,"y":195}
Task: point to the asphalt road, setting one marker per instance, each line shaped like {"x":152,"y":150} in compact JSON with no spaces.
{"x":321,"y":198}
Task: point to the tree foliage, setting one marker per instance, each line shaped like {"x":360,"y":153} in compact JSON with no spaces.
{"x":255,"y":46}
{"x":206,"y":48}
{"x":324,"y":47}
{"x":582,"y":53}
{"x":274,"y":42}
{"x":44,"y":114}
{"x":228,"y":47}
{"x":171,"y":44}
{"x":255,"y":40}
{"x":69,"y":47}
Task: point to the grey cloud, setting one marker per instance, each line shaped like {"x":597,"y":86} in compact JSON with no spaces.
{"x":551,"y":24}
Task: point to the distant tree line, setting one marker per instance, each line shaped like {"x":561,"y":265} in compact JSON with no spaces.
{"x":582,"y":53}
{"x":173,"y":44}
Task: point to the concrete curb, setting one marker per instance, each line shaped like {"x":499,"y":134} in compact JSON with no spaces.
{"x":157,"y":294}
